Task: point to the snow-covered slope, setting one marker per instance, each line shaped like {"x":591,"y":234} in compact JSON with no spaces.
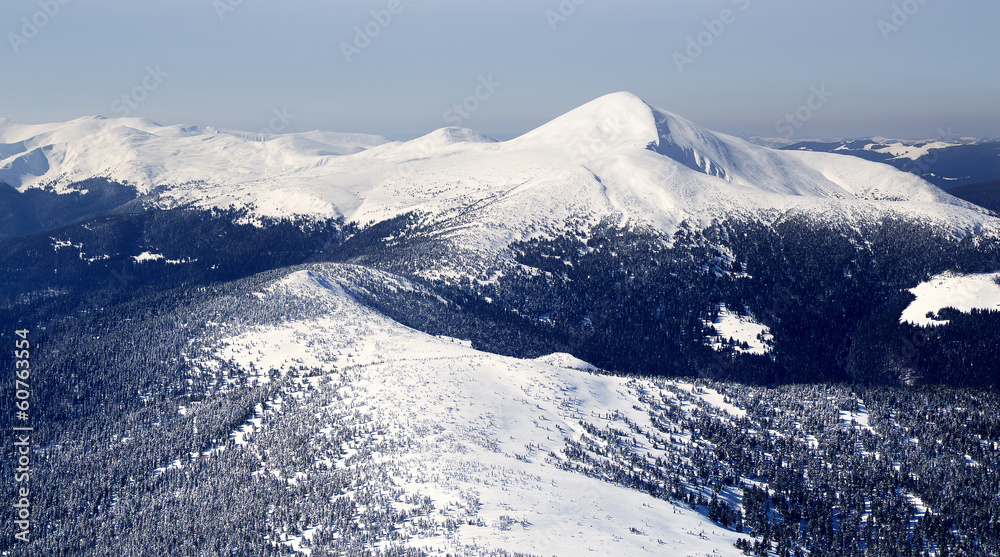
{"x":469,"y":430}
{"x":614,"y":158}
{"x":145,"y":154}
{"x":950,"y":290}
{"x":730,"y":326}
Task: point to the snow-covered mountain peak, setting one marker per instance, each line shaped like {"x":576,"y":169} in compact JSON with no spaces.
{"x":616,"y":158}
{"x":451,"y":135}
{"x":700,"y":149}
{"x":440,"y":142}
{"x":623,"y":121}
{"x":145,"y":154}
{"x":606,"y":124}
{"x":78,"y":129}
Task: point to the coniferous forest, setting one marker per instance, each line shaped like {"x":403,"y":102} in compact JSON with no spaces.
{"x":861,"y":435}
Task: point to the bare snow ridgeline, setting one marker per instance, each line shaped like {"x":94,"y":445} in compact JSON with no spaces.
{"x":615,"y":158}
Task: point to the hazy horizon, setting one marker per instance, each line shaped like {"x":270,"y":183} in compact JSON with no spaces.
{"x":907,"y":69}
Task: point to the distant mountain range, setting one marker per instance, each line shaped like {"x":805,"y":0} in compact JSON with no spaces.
{"x":456,"y":207}
{"x":615,"y":158}
{"x":946,"y":163}
{"x":617,"y":333}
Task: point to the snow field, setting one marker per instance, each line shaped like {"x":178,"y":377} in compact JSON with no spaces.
{"x":962,"y":292}
{"x":474,"y":431}
{"x":741,"y":329}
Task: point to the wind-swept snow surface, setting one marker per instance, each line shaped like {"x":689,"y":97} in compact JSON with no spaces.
{"x":478,"y":434}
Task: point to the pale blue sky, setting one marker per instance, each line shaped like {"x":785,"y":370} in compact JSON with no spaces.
{"x":939,"y":69}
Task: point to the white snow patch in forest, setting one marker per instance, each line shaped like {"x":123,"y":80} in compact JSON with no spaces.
{"x":712,"y":397}
{"x":859,"y":417}
{"x":741,"y":329}
{"x":59,"y":244}
{"x":239,"y":435}
{"x":147,"y":256}
{"x":296,"y":542}
{"x":175,"y":465}
{"x":919,"y":506}
{"x":962,"y":292}
{"x":812,"y":441}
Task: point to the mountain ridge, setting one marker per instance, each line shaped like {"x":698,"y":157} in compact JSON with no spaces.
{"x":322,"y":343}
{"x":615,"y":158}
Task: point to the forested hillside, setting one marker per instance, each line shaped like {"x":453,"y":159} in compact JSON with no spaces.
{"x":229,"y":375}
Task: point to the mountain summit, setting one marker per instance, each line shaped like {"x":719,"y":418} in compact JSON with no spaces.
{"x":612,"y":122}
{"x":615,"y":158}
